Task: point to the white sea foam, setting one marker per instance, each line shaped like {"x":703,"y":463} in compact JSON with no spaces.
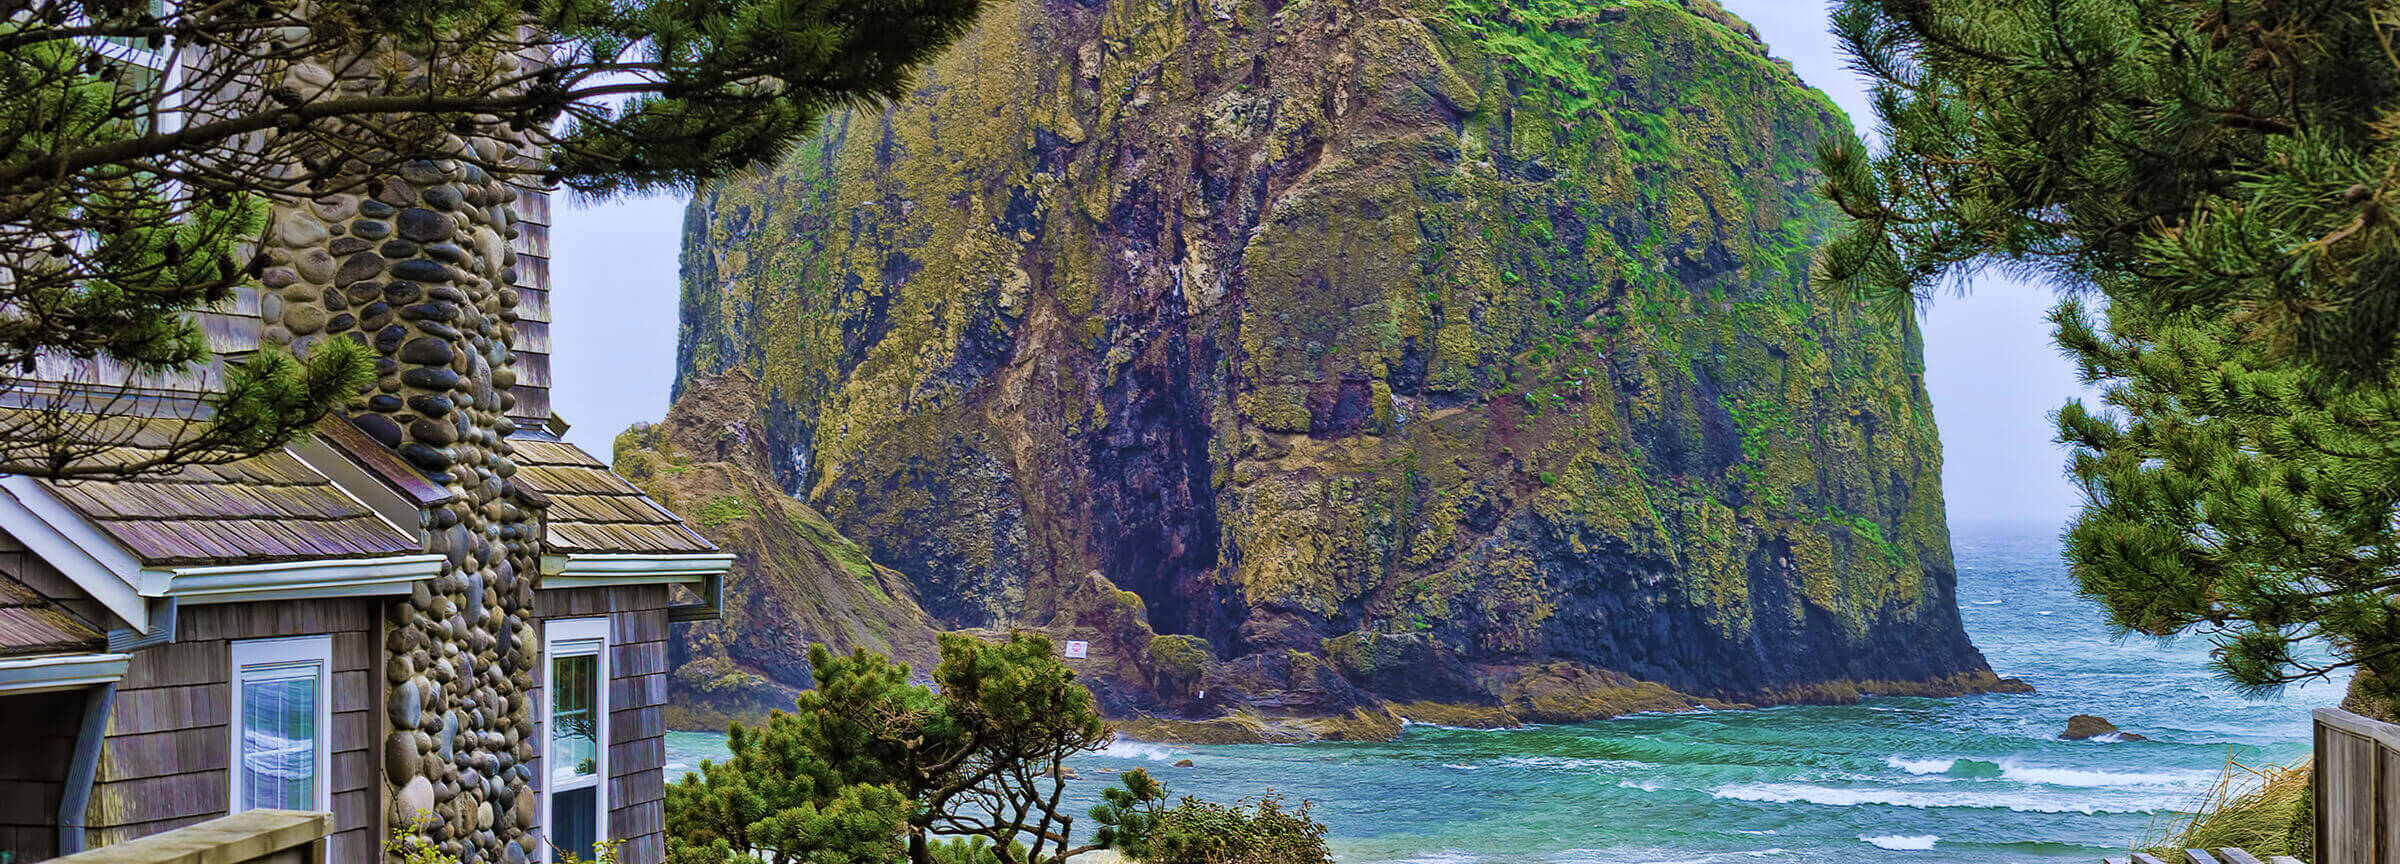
{"x":1721,"y":858}
{"x":2009,"y":770}
{"x":1645,"y":787}
{"x":1831,"y":796}
{"x":1444,"y":856}
{"x":1901,"y":843}
{"x":2013,"y":770}
{"x":1921,"y":766}
{"x":1609,"y":766}
{"x":1989,"y":602}
{"x":1123,"y":749}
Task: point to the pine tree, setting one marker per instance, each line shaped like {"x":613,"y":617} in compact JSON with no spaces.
{"x":869,"y":767}
{"x":142,"y":144}
{"x":2217,"y":178}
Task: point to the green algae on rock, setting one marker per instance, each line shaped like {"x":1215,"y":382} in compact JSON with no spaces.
{"x":795,"y":579}
{"x":1433,"y":352}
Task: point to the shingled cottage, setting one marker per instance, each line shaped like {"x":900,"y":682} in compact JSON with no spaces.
{"x":433,"y":613}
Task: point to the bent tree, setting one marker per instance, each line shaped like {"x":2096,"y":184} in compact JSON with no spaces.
{"x":143,"y":144}
{"x":2218,"y":179}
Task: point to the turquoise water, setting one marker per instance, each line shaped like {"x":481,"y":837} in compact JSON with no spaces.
{"x":1969,"y":780}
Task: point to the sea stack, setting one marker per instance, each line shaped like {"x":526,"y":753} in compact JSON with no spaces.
{"x":1372,"y":353}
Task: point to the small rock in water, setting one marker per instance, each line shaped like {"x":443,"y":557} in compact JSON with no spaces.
{"x":2083,"y":727}
{"x":1183,"y":763}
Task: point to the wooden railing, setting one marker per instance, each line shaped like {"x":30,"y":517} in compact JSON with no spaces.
{"x":254,"y":837}
{"x":2358,"y":789}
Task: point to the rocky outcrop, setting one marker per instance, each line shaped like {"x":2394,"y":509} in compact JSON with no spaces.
{"x":795,"y":580}
{"x":1387,"y":352}
{"x":2087,"y":727}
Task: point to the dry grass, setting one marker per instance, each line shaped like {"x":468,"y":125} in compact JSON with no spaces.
{"x":2265,"y":810}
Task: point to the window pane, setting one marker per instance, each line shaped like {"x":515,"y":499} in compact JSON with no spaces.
{"x":574,"y":717}
{"x":279,"y":742}
{"x":577,"y":823}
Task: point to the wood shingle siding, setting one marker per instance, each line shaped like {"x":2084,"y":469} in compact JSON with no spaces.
{"x":164,"y":763}
{"x":637,"y":693}
{"x":39,"y":729}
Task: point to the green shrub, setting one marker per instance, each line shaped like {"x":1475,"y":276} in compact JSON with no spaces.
{"x":1205,"y":832}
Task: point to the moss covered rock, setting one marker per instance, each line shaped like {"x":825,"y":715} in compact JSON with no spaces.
{"x":1453,"y":336}
{"x":795,"y":579}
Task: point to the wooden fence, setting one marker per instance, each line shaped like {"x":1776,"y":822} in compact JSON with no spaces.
{"x":2358,"y":789}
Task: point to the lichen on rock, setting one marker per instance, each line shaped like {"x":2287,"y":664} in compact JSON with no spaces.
{"x":1368,"y":343}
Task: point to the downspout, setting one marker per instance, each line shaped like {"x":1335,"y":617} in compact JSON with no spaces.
{"x":76,"y":798}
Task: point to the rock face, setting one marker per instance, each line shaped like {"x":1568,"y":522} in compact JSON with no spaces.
{"x":2083,"y":727}
{"x":1388,"y":351}
{"x":795,"y":580}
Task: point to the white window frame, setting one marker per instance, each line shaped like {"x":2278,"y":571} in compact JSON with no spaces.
{"x":575,"y":630}
{"x":166,"y":60}
{"x":272,"y":654}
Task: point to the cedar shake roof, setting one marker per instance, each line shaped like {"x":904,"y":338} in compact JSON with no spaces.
{"x":31,"y":625}
{"x":593,"y":510}
{"x":271,"y":507}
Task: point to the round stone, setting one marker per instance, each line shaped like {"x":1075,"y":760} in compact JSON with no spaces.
{"x":450,"y":253}
{"x":432,"y":431}
{"x":315,"y":265}
{"x":421,"y":172}
{"x":425,"y":226}
{"x":422,"y":270}
{"x":388,"y":339}
{"x":380,"y":428}
{"x":426,"y":456}
{"x":444,"y":197}
{"x":348,"y":245}
{"x":400,"y":757}
{"x":414,"y":803}
{"x":371,"y":229}
{"x":433,"y":378}
{"x":430,"y":406}
{"x":363,"y":265}
{"x":335,"y":208}
{"x":297,"y":230}
{"x":438,"y":310}
{"x":277,"y":277}
{"x":406,"y":704}
{"x":305,"y":319}
{"x":376,"y":209}
{"x":427,"y":350}
{"x":399,"y":249}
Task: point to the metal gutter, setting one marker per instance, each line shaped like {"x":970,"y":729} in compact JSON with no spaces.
{"x":61,"y":672}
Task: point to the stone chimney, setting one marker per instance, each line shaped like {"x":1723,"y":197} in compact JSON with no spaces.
{"x":427,"y":266}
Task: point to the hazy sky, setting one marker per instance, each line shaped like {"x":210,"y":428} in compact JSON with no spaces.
{"x":1989,"y":362}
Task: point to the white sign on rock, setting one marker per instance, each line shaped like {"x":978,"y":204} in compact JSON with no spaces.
{"x":1078,"y":650}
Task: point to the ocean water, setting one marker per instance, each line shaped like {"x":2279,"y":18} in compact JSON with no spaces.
{"x":1980,"y":779}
